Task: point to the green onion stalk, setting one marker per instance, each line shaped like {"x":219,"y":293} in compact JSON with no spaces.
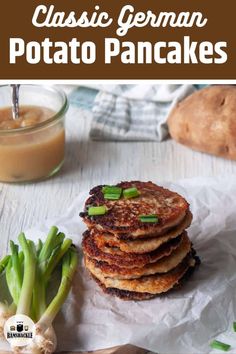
{"x":6,"y":311}
{"x":13,"y":266}
{"x":50,"y":255}
{"x":28,"y":273}
{"x":45,"y":335}
{"x":45,"y":341}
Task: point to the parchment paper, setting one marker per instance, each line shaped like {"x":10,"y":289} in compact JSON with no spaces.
{"x":183,"y":322}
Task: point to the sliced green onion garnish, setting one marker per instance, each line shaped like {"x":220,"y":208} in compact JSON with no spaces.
{"x":215,"y":344}
{"x":148,"y":218}
{"x":111,"y":196}
{"x":131,"y":192}
{"x":234,"y":326}
{"x":99,"y":210}
{"x":112,"y":190}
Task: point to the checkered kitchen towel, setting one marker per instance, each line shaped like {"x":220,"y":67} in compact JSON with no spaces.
{"x":134,"y":112}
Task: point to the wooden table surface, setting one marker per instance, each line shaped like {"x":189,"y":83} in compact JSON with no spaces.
{"x":89,"y":163}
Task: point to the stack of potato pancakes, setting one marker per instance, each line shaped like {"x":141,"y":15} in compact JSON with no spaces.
{"x":136,"y":246}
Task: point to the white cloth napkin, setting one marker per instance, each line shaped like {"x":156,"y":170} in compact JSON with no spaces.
{"x":135,"y":112}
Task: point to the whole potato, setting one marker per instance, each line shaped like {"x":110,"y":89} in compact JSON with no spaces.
{"x":206,"y":121}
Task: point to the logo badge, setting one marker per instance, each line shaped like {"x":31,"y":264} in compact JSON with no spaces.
{"x":19,"y":330}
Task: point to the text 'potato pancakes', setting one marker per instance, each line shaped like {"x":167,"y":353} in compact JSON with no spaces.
{"x":136,"y":246}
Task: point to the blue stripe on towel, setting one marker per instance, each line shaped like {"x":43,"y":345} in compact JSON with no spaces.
{"x":83,"y":97}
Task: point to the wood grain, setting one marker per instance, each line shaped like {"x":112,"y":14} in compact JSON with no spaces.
{"x":124,"y":349}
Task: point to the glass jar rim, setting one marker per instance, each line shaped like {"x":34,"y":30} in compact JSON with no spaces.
{"x":61,"y":112}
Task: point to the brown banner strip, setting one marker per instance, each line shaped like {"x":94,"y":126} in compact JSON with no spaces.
{"x":117,"y":39}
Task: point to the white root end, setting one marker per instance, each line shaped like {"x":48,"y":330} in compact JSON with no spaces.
{"x":43,"y":325}
{"x":29,"y":349}
{"x":5,"y":313}
{"x":42,"y":344}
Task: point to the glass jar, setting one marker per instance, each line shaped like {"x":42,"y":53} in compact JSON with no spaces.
{"x":35,"y":151}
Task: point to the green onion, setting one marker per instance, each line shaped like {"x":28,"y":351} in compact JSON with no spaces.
{"x":99,"y":210}
{"x":111,"y":196}
{"x":48,"y":245}
{"x":14,"y":273}
{"x":27,"y":272}
{"x":56,"y":257}
{"x":131,"y":193}
{"x":234,"y":326}
{"x":215,"y":344}
{"x":111,"y":190}
{"x":69,"y":265}
{"x":148,"y":218}
{"x":3,"y":263}
{"x":25,"y":297}
{"x":51,"y":253}
{"x":39,"y":246}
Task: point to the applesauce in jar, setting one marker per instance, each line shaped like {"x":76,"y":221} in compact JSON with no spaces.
{"x":31,"y":146}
